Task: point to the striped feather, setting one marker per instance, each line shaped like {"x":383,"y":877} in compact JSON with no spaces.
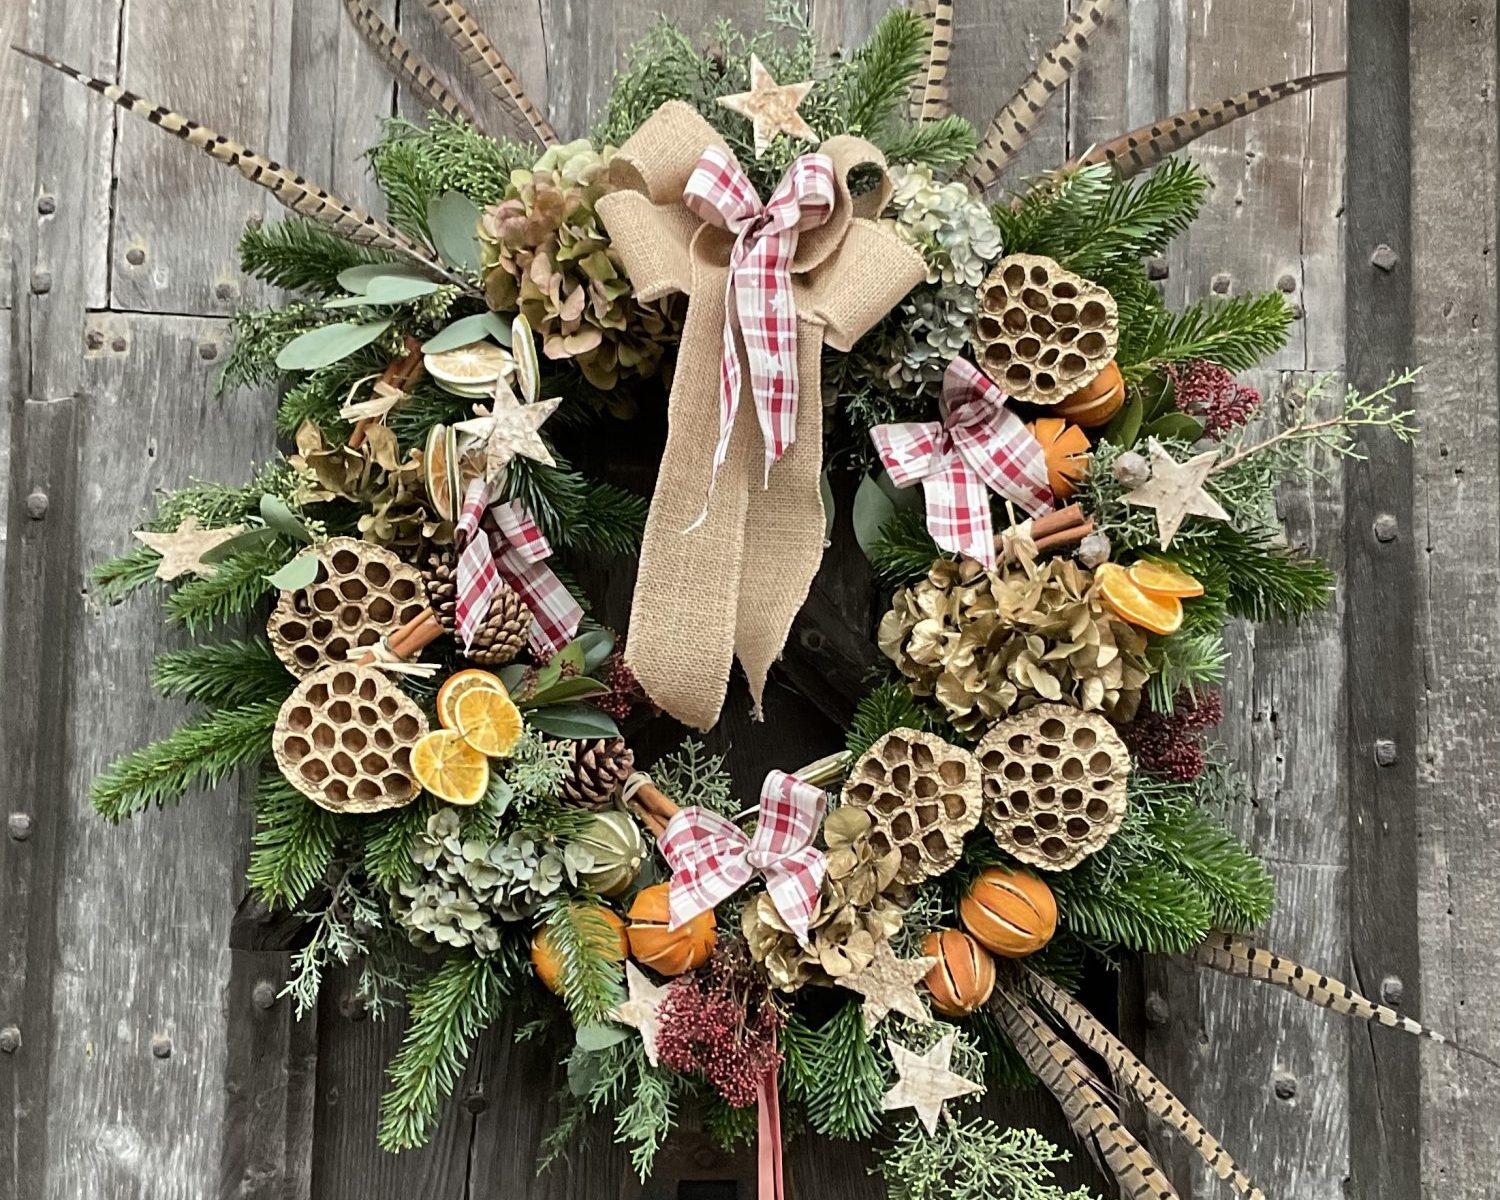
{"x":481,"y":57}
{"x":1014,"y":124}
{"x":1088,"y":1113}
{"x":1235,"y":956}
{"x":928,"y":98}
{"x":304,"y":198}
{"x":406,"y":64}
{"x":1131,"y":1073}
{"x":1141,"y":149}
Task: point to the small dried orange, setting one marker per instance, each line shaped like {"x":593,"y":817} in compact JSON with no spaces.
{"x":1066,"y":450}
{"x":450,"y":768}
{"x":488,"y":720}
{"x":1124,"y":597}
{"x":459,"y":683}
{"x":1161,"y":578}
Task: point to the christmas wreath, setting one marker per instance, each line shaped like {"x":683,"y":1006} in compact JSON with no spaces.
{"x":811,"y":278}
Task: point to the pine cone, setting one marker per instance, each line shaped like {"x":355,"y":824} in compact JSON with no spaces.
{"x":600,"y":768}
{"x":502,"y":636}
{"x":439,"y":567}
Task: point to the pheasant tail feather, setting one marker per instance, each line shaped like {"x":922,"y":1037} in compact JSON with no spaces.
{"x":406,"y":64}
{"x":303,"y":197}
{"x":1014,"y":124}
{"x":928,"y":98}
{"x":1235,"y":956}
{"x":481,"y":57}
{"x":1132,"y":1074}
{"x":1141,"y":149}
{"x":1087,"y":1112}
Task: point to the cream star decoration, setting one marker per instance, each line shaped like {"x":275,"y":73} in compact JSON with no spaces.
{"x":887,"y":984}
{"x":771,"y":106}
{"x":509,"y":430}
{"x":1175,"y":491}
{"x":924,"y":1081}
{"x":183,"y":549}
{"x":641,"y":1010}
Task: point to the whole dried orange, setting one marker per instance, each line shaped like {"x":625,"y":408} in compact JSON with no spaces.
{"x":450,"y":768}
{"x":488,"y":720}
{"x":459,"y":683}
{"x":1125,"y":598}
{"x":1162,"y":578}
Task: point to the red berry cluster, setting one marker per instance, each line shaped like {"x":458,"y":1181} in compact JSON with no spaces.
{"x":625,"y":691}
{"x":722,"y":1023}
{"x":1171,"y":745}
{"x":1208,"y":392}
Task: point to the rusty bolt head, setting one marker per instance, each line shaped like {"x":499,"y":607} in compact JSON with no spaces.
{"x":1386,"y":528}
{"x":1384,"y":258}
{"x":1222,"y":283}
{"x":1385,"y":752}
{"x":475,"y":1102}
{"x":18,"y":826}
{"x":46,"y":205}
{"x":1391,"y":990}
{"x":94,"y":339}
{"x":119,"y":345}
{"x":1158,"y":1014}
{"x":135,"y":256}
{"x":10,"y":1040}
{"x":208,"y":351}
{"x":41,"y":282}
{"x":1284,"y":1085}
{"x":1157,"y":269}
{"x":263,"y":994}
{"x":161,"y":1046}
{"x":36,"y":505}
{"x":225,"y":291}
{"x":1287,"y":283}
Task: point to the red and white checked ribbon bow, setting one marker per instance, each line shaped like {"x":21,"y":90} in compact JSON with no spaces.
{"x":758,"y":292}
{"x":555,"y":615}
{"x":978,"y":443}
{"x":711,"y":858}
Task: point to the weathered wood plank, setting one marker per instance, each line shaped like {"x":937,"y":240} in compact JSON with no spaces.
{"x":1452,"y":536}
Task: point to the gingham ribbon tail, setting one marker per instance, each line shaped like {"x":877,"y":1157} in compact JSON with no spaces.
{"x":711,"y":858}
{"x":758,"y":292}
{"x":979,"y":446}
{"x":520,"y":563}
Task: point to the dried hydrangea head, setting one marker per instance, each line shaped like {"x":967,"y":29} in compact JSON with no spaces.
{"x":987,"y":644}
{"x":548,"y":256}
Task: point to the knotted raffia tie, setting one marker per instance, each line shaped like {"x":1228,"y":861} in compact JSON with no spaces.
{"x":727,"y":582}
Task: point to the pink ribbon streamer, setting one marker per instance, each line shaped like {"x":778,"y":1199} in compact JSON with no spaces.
{"x":711,"y":858}
{"x":979,"y":444}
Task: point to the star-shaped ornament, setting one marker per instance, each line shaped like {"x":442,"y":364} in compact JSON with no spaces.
{"x":924,"y":1081}
{"x":888,"y":985}
{"x":641,"y":1010}
{"x":509,"y":430}
{"x":771,"y":106}
{"x":183,"y":549}
{"x":1175,"y":491}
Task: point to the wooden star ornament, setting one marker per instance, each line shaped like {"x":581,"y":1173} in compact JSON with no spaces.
{"x":508,"y":429}
{"x":183,"y":549}
{"x":888,"y":985}
{"x":925,"y":1081}
{"x":1175,"y":490}
{"x":771,"y":106}
{"x":641,"y":1009}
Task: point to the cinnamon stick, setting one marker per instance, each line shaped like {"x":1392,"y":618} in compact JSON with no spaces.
{"x":1052,"y":522}
{"x":653,"y":808}
{"x":1065,"y":537}
{"x":399,"y":374}
{"x":408,"y":641}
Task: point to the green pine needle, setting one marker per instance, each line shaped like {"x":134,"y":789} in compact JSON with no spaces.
{"x":1149,"y":910}
{"x":834,"y":1073}
{"x":294,"y":844}
{"x":904,"y":552}
{"x":118,"y":577}
{"x":575,"y":512}
{"x":198,"y":754}
{"x":939,"y":144}
{"x":587,"y":947}
{"x":1237,"y":334}
{"x":300,"y":256}
{"x":235,"y":587}
{"x":890,"y":706}
{"x":223,"y":674}
{"x":1260,"y":581}
{"x":882,"y":70}
{"x":387,"y":853}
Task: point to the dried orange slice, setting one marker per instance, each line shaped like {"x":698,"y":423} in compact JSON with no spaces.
{"x":488,"y":720}
{"x":1162,"y":578}
{"x":456,"y":685}
{"x":1066,"y":450}
{"x":450,"y":768}
{"x":471,"y":366}
{"x":1124,"y":597}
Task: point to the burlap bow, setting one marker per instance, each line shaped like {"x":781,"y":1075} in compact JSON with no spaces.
{"x":732,"y":585}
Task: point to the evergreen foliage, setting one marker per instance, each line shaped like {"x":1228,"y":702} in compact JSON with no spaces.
{"x":1237,"y":334}
{"x":575,"y":512}
{"x":387,"y":850}
{"x":834,"y":1073}
{"x":973,"y":1160}
{"x":590,"y":975}
{"x":200,"y":753}
{"x":236,"y":586}
{"x":694,"y":775}
{"x":223,"y":674}
{"x":294,"y":846}
{"x":414,"y":164}
{"x":890,"y":706}
{"x":115,"y":578}
{"x":1186,"y":661}
{"x":1259,"y":581}
{"x":904,"y":552}
{"x":300,"y":256}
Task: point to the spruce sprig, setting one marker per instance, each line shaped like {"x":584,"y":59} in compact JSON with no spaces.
{"x":235,"y":587}
{"x":300,"y":256}
{"x":890,"y":706}
{"x":904,"y":552}
{"x":576,"y":512}
{"x":387,"y":851}
{"x":1237,"y":334}
{"x":200,"y":753}
{"x":116,"y":578}
{"x":834,"y":1073}
{"x":223,"y":674}
{"x":590,"y":974}
{"x":881,"y":71}
{"x":295,"y":842}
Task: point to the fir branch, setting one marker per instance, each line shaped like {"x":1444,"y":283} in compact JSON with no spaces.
{"x":217,"y":504}
{"x":235,"y":587}
{"x":904,"y":552}
{"x":834,"y":1073}
{"x":387,"y":852}
{"x":729,"y":1127}
{"x":223,"y":674}
{"x":1153,"y":911}
{"x":1259,"y":581}
{"x":973,"y":1160}
{"x":294,"y":844}
{"x":577,"y":513}
{"x":1185,"y":661}
{"x":317,"y":396}
{"x":1237,"y":334}
{"x":200,"y":753}
{"x":694,"y":775}
{"x":890,"y":706}
{"x":881,"y":72}
{"x":116,"y":578}
{"x":938,"y":144}
{"x":300,"y":256}
{"x":590,"y":975}
{"x":1239,"y":890}
{"x":449,"y":1009}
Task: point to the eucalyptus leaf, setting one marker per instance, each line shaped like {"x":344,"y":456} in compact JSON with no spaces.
{"x":357,"y":279}
{"x":453,"y":220}
{"x":584,"y":1070}
{"x":251,"y":539}
{"x":872,"y":509}
{"x":598,"y":644}
{"x":1125,"y":427}
{"x":387,"y":289}
{"x":1176,"y":425}
{"x":574,"y":687}
{"x":298,"y":573}
{"x":275,"y":513}
{"x":328,"y":344}
{"x":591,"y":1038}
{"x":902,"y":497}
{"x":573,"y":721}
{"x":466,"y":331}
